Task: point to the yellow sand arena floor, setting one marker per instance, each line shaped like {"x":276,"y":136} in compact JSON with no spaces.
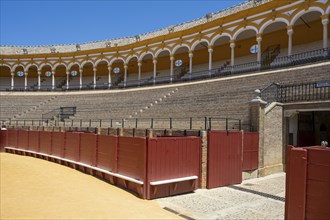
{"x":37,"y":189}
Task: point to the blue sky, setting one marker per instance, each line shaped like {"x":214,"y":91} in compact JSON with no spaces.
{"x":29,"y":23}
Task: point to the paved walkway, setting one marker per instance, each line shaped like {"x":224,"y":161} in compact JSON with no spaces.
{"x":261,"y":198}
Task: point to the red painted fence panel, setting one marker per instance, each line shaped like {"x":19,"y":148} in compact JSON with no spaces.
{"x":171,"y":158}
{"x":318,"y":183}
{"x":132,"y":157}
{"x":23,"y":139}
{"x":88,"y":148}
{"x":3,"y":139}
{"x":45,"y":143}
{"x":107,"y":152}
{"x":224,"y":165}
{"x":72,"y":146}
{"x":34,"y":141}
{"x":58,"y":139}
{"x":12,"y":138}
{"x":250,"y":151}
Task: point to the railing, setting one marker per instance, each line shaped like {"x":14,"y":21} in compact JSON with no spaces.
{"x":192,"y":123}
{"x":61,"y":114}
{"x":278,"y":62}
{"x":315,"y":91}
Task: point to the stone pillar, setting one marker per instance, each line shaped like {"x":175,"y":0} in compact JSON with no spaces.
{"x":94,"y":79}
{"x":155,"y":68}
{"x":25,"y":80}
{"x":109,"y":76}
{"x":210,"y":49}
{"x":39,"y":79}
{"x":12,"y":80}
{"x":67,"y":79}
{"x":125,"y":76}
{"x":53,"y":79}
{"x":204,"y":150}
{"x":325,"y":22}
{"x":290,"y":33}
{"x":172,"y":66}
{"x":191,"y":55}
{"x":232,"y":46}
{"x":80,"y":77}
{"x":257,"y":117}
{"x":259,"y":39}
{"x":139,"y":75}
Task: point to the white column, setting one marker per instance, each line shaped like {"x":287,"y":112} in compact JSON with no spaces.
{"x":94,"y":80}
{"x":290,"y":32}
{"x":210,"y":59}
{"x":67,"y":79}
{"x":155,"y":68}
{"x":109,"y":76}
{"x":140,"y":66}
{"x":191,"y":55}
{"x":39,"y":79}
{"x":12,"y":80}
{"x":25,"y":80}
{"x":80,"y":77}
{"x":125,"y":76}
{"x":53,"y":79}
{"x":325,"y":23}
{"x":172,"y":66}
{"x":232,"y":46}
{"x":259,"y":39}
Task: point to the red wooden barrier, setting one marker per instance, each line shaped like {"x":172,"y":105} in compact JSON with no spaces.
{"x":23,"y":139}
{"x":45,"y":142}
{"x":12,"y":137}
{"x":296,"y":191}
{"x":58,"y":139}
{"x":318,"y":183}
{"x":34,"y":141}
{"x":107,"y":152}
{"x":171,"y":158}
{"x":132,"y":155}
{"x":88,"y":148}
{"x":250,"y":151}
{"x":224,"y":158}
{"x":72,"y":146}
{"x":3,"y":139}
{"x":308,"y":183}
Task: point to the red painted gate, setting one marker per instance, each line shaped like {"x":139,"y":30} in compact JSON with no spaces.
{"x":34,"y":141}
{"x":250,"y":151}
{"x":224,"y":164}
{"x":3,"y":139}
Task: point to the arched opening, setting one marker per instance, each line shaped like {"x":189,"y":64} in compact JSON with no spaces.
{"x":74,"y":79}
{"x":147,"y":68}
{"x":274,"y":42}
{"x":118,"y":72}
{"x":32,"y":81}
{"x":133,"y":69}
{"x":19,"y":78}
{"x":5,"y":78}
{"x":181,"y":55}
{"x":46,"y":77}
{"x":164,"y":65}
{"x":102,"y":72}
{"x":221,"y":52}
{"x":307,"y":33}
{"x":201,"y":56}
{"x":243,"y":44}
{"x":60,"y":73}
{"x":87,"y":75}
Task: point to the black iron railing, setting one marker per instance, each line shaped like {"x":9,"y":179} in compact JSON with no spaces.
{"x":315,"y":91}
{"x":192,"y":123}
{"x":60,"y":114}
{"x":227,"y":70}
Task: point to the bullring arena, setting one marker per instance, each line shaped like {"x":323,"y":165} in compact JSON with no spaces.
{"x":203,"y":105}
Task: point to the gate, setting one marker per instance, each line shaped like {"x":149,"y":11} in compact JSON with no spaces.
{"x":3,"y":139}
{"x":224,"y":166}
{"x":250,"y":151}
